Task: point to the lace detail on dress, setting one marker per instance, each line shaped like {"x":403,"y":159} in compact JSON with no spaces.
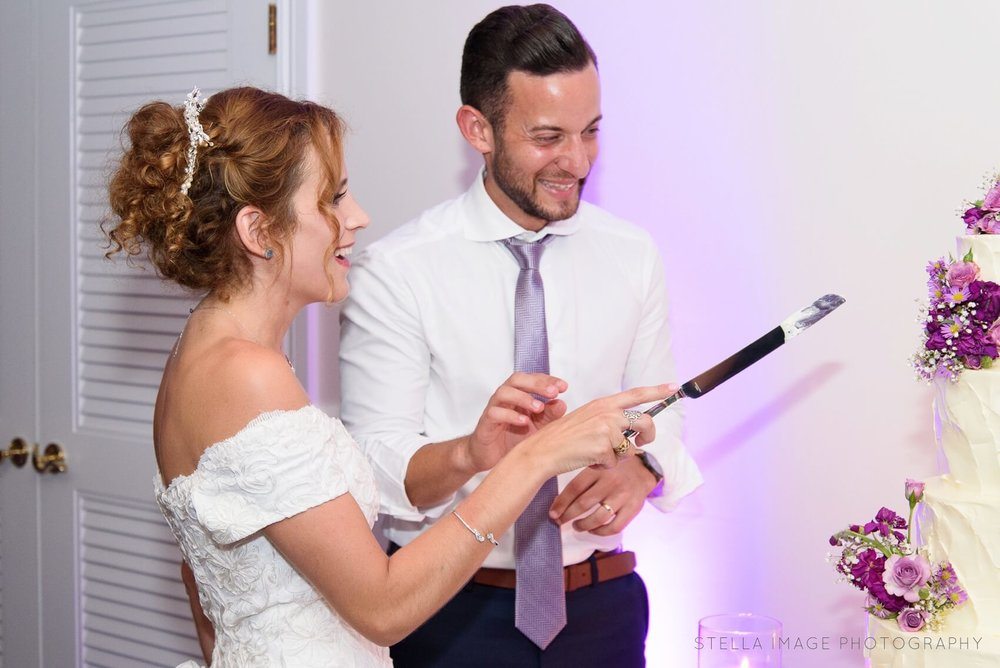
{"x":264,"y":613}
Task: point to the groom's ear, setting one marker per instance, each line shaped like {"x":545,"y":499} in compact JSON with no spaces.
{"x":476,"y":129}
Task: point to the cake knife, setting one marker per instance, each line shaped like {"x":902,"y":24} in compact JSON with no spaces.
{"x":791,"y":327}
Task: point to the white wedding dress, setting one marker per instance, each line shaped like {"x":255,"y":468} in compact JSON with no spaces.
{"x":264,"y":612}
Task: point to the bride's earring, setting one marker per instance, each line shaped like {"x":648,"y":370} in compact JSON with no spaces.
{"x":269,"y":253}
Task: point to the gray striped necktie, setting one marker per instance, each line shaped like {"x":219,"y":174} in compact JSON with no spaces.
{"x":540,"y":596}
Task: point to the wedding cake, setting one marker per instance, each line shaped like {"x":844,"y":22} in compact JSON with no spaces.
{"x":963,"y":526}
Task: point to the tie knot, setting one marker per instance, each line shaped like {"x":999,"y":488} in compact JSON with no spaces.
{"x":527,"y":253}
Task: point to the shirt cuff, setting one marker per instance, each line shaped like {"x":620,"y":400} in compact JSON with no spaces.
{"x":681,"y":475}
{"x":389,"y":462}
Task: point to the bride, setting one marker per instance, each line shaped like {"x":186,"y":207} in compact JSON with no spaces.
{"x":244,"y":198}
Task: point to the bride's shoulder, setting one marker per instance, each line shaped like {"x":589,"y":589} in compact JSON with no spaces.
{"x":254,"y":373}
{"x":235,"y":382}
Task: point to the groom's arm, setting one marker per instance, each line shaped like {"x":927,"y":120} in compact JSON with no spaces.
{"x":206,"y":632}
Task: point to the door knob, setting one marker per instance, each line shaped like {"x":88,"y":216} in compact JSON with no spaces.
{"x":18,"y":452}
{"x":53,"y":460}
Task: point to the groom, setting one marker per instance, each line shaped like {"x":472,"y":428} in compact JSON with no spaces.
{"x":437,"y":319}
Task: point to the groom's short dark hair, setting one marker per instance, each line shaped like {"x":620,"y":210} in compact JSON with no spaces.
{"x":537,"y":39}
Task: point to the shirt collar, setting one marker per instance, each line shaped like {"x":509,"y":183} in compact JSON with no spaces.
{"x":486,"y":222}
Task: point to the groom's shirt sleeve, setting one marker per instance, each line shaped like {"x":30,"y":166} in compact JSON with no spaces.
{"x":384,"y":371}
{"x":650,"y":362}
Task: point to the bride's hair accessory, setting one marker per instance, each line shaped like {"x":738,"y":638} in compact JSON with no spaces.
{"x":193,"y":104}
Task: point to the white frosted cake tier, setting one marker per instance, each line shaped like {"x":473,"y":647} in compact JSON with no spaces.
{"x":967,"y":414}
{"x":964,"y":505}
{"x":889,"y":647}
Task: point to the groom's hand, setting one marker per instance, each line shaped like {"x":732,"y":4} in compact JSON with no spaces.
{"x":624,"y":488}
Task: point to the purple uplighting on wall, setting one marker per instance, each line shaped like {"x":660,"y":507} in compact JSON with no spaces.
{"x":776,"y":151}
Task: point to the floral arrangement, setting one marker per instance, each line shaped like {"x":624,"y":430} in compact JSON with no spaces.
{"x":960,"y":323}
{"x":982,"y":216}
{"x":901,"y":583}
{"x":961,"y":330}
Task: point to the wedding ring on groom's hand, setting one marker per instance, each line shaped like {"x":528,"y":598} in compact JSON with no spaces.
{"x":621,"y":450}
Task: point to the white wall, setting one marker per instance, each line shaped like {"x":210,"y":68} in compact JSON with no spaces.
{"x":777,"y":150}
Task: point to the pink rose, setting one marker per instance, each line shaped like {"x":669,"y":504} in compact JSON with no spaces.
{"x":992,"y":200}
{"x":972,"y":362}
{"x":912,"y":620}
{"x":993,"y":334}
{"x":904,"y":576}
{"x":988,"y":224}
{"x":960,"y":274}
{"x":914,"y":491}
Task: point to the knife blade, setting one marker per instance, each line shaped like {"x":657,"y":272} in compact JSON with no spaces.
{"x":789,"y":328}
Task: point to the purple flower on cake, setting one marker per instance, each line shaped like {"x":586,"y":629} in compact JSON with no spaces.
{"x":959,"y":319}
{"x":891,"y":604}
{"x":950,"y":329}
{"x":885,"y":521}
{"x":960,"y":274}
{"x":972,"y":216}
{"x":993,"y":334}
{"x":956,"y":596}
{"x":957,"y":295}
{"x":904,"y":576}
{"x":944,"y":587}
{"x":975,"y":342}
{"x":962,"y":308}
{"x":914,"y":490}
{"x":989,"y":224}
{"x":946,"y":575}
{"x":912,"y":619}
{"x":878,"y":609}
{"x":992,"y":200}
{"x":869,"y":568}
{"x":936,"y":340}
{"x":986,"y":295}
{"x":981,"y":216}
{"x":900,"y":582}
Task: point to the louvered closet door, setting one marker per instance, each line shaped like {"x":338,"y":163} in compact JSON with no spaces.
{"x":111,"y":593}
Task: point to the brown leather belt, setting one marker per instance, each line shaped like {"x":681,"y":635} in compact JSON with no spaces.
{"x":600,"y":567}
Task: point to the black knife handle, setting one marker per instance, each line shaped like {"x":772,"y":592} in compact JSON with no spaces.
{"x":708,"y":380}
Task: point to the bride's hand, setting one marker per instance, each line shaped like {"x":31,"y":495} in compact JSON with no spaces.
{"x":589,"y":435}
{"x":512,"y":413}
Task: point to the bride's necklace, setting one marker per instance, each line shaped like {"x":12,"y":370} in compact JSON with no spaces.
{"x":239,"y":323}
{"x":232,"y":315}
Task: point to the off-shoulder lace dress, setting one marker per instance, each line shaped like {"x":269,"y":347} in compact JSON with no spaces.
{"x":264,"y":612}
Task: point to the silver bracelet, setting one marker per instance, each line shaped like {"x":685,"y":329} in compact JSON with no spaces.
{"x":475,"y":532}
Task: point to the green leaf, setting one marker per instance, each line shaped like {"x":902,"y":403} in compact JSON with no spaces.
{"x":968,"y":256}
{"x":986,"y":362}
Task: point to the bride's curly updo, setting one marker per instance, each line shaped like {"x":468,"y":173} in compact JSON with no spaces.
{"x":258,"y":146}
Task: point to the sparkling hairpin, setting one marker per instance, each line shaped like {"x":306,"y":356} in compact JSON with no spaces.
{"x":193,"y":104}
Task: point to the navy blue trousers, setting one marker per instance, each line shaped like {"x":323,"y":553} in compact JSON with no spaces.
{"x":606,"y":626}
